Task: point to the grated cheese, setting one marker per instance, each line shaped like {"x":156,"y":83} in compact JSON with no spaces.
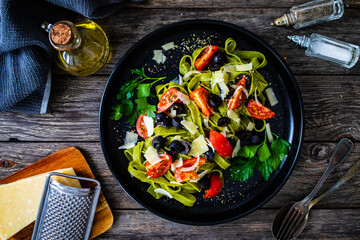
{"x":190,"y":126}
{"x":168,"y":46}
{"x":130,"y":140}
{"x":178,"y":163}
{"x":184,"y":98}
{"x":163,"y":192}
{"x":159,"y":57}
{"x":149,"y":123}
{"x":199,"y":146}
{"x":151,"y":155}
{"x":271,"y":96}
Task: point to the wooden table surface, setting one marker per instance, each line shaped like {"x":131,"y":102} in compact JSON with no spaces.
{"x":331,"y":96}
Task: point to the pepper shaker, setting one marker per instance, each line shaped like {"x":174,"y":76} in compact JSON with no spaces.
{"x":311,"y":13}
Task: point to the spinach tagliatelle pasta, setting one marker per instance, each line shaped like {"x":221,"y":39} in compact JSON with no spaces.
{"x":204,"y":120}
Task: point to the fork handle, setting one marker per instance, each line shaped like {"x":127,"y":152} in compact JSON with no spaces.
{"x":354,"y":169}
{"x":340,"y":153}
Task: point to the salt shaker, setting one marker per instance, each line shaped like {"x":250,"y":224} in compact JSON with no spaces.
{"x":311,"y":13}
{"x":342,"y":53}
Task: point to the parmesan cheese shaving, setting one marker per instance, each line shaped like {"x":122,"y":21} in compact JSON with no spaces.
{"x":168,"y":46}
{"x":200,"y":176}
{"x":271,"y":96}
{"x":250,"y":126}
{"x":233,"y":116}
{"x":199,"y":146}
{"x":244,"y":67}
{"x":159,"y":57}
{"x":178,"y":163}
{"x":256,"y":99}
{"x":173,"y":113}
{"x":149,"y":123}
{"x":175,"y":183}
{"x":191,"y":168}
{"x":209,"y":144}
{"x":184,"y":98}
{"x":130,"y":140}
{"x":237,"y":148}
{"x":151,"y":155}
{"x":268,"y":133}
{"x":190,"y":126}
{"x":188,"y":74}
{"x":224,"y":90}
{"x":163,"y":192}
{"x":224,"y":131}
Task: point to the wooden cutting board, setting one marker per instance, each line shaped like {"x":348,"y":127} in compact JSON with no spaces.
{"x":65,"y":158}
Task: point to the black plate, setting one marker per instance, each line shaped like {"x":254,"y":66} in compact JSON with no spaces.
{"x":237,"y":199}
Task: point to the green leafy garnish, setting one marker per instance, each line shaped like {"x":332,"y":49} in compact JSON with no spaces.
{"x":260,"y":157}
{"x":133,"y":98}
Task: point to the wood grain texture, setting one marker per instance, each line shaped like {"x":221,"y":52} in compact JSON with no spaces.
{"x":226,"y":3}
{"x":65,"y":158}
{"x":310,"y":166}
{"x":144,"y":225}
{"x":331,"y":106}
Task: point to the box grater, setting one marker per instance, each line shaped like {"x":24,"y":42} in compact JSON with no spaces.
{"x":66,"y":212}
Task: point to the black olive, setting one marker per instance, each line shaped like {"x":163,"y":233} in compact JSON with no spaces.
{"x":171,"y":155}
{"x":232,"y":142}
{"x":223,"y":121}
{"x":205,"y":183}
{"x":230,"y":93}
{"x":210,"y":156}
{"x":178,"y":107}
{"x":176,"y":147}
{"x":215,"y":100}
{"x":163,"y":119}
{"x":219,"y":58}
{"x":186,"y":146}
{"x":255,"y":140}
{"x":247,"y":79}
{"x":176,"y":122}
{"x":245,"y":137}
{"x":214,"y":66}
{"x":158,"y":142}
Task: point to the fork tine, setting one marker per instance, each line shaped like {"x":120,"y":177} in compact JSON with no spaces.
{"x":294,"y":223}
{"x":286,"y":222}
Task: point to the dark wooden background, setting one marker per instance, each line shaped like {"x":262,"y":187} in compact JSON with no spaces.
{"x":331,"y":96}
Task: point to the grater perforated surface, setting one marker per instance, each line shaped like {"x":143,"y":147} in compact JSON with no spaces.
{"x":65,"y":216}
{"x":66,"y":212}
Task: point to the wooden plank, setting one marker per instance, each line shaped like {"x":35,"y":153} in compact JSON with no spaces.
{"x":311,"y":165}
{"x":226,"y":4}
{"x":125,"y":27}
{"x":74,"y":110}
{"x":65,"y":158}
{"x":323,"y":224}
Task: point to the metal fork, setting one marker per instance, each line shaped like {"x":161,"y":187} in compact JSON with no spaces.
{"x":299,"y":210}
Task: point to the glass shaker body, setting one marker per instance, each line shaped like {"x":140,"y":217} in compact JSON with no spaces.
{"x":332,"y":50}
{"x":315,"y":12}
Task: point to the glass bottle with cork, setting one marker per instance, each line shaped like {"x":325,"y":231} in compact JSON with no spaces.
{"x":83,"y":47}
{"x":311,"y":13}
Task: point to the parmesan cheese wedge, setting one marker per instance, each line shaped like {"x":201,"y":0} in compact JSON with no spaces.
{"x":19,"y":201}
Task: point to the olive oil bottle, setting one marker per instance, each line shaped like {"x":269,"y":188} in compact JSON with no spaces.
{"x":83,"y":47}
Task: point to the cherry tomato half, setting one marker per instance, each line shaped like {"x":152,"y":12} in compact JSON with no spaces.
{"x":216,"y":186}
{"x":205,"y":57}
{"x":186,"y":176}
{"x":221,"y":144}
{"x":239,"y":96}
{"x":167,"y":99}
{"x":160,"y":168}
{"x":258,"y":111}
{"x":141,"y":127}
{"x":200,"y":97}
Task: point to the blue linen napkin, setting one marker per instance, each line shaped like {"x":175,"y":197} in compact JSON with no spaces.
{"x":25,"y":51}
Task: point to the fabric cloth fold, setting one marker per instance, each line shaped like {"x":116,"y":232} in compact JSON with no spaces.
{"x":25,"y":51}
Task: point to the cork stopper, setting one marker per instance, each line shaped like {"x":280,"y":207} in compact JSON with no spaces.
{"x":61,"y":34}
